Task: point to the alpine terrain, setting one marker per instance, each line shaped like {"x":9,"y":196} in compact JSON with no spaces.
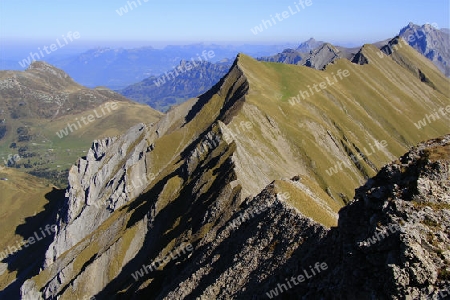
{"x":248,"y":191}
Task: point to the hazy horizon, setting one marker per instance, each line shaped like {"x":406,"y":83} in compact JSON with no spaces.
{"x":141,"y":22}
{"x":29,"y":26}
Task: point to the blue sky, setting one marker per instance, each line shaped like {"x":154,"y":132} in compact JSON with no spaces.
{"x":169,"y":21}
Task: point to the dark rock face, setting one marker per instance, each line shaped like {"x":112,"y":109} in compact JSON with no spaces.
{"x":394,"y":236}
{"x":360,"y":59}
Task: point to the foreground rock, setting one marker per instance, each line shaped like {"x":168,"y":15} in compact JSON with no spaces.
{"x":392,"y":242}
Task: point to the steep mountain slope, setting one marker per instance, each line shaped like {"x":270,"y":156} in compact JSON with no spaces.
{"x":48,"y":120}
{"x":177,"y":85}
{"x":24,"y":199}
{"x":392,"y":242}
{"x":250,"y":174}
{"x":433,"y":43}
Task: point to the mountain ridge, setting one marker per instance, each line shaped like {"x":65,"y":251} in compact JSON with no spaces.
{"x":431,"y":42}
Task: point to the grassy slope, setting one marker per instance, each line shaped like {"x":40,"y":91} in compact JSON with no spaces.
{"x":41,"y":101}
{"x":378,"y":101}
{"x":21,"y":196}
{"x":58,"y":154}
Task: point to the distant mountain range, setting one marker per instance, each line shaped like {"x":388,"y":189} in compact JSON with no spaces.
{"x":118,"y":68}
{"x":311,"y":53}
{"x":177,"y":85}
{"x":431,"y":42}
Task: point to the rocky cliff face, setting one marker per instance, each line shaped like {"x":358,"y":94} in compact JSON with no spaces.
{"x":317,"y":57}
{"x":322,"y":56}
{"x":98,"y":188}
{"x":394,"y":236}
{"x":431,"y":42}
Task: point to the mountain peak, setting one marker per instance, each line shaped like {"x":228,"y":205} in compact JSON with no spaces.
{"x":44,"y":67}
{"x":412,"y":26}
{"x":309,"y":45}
{"x":40,"y":65}
{"x":429,"y":41}
{"x":322,"y":56}
{"x":310,"y":41}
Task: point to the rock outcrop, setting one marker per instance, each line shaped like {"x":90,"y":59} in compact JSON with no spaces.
{"x":98,"y":188}
{"x":317,"y":58}
{"x":322,"y":56}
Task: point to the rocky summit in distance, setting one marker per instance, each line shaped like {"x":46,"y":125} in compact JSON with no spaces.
{"x":431,"y":42}
{"x":313,"y":54}
{"x":309,"y":45}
